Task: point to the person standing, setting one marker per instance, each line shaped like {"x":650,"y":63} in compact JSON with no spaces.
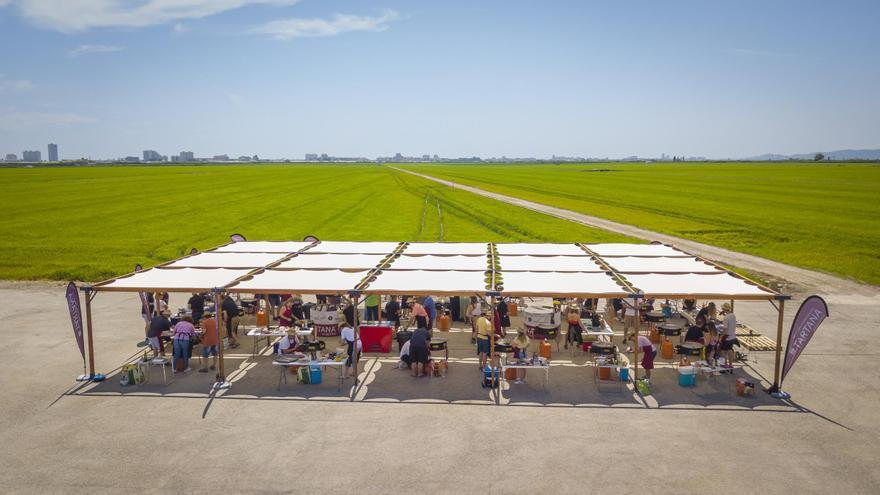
{"x":210,"y":341}
{"x":347,"y":339}
{"x":231,"y":316}
{"x":484,"y":331}
{"x":371,"y":303}
{"x":196,"y":305}
{"x":520,"y":351}
{"x":474,"y":311}
{"x":649,"y":352}
{"x":575,"y":335}
{"x":418,"y":351}
{"x":158,"y":324}
{"x":419,"y":314}
{"x":184,"y":331}
{"x":729,"y":338}
{"x":431,"y":309}
{"x":503,"y":316}
{"x":392,"y":311}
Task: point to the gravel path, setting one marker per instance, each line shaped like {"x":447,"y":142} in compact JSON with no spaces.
{"x":794,"y":279}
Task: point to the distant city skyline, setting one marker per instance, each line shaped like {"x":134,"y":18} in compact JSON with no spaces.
{"x":282,"y":78}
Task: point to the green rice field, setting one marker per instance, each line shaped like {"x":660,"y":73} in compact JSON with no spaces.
{"x":819,"y":216}
{"x":97,"y":222}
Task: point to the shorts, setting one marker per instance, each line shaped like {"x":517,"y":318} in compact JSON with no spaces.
{"x":648,"y":358}
{"x":154,"y":343}
{"x":483,"y":346}
{"x":727,"y":345}
{"x":418,"y":354}
{"x":209,"y":349}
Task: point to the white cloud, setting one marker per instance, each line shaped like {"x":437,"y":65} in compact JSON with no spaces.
{"x":13,"y":120}
{"x":14,"y":84}
{"x":285,"y":29}
{"x":180,"y":28}
{"x":81,"y":15}
{"x":86,"y":49}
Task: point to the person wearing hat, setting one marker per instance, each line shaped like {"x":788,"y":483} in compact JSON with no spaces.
{"x":210,"y":341}
{"x":729,"y":338}
{"x":520,"y":345}
{"x":484,"y":332}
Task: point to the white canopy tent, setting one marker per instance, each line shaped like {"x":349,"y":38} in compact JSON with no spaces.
{"x":698,"y":285}
{"x":540,"y":249}
{"x":549,"y":264}
{"x":304,"y":281}
{"x":174,"y":280}
{"x":432,"y":262}
{"x":340,"y":261}
{"x":423,"y":282}
{"x":356,"y":268}
{"x":573,"y":284}
{"x":466,"y":248}
{"x":231,"y":259}
{"x":665,"y":264}
{"x":635,"y":250}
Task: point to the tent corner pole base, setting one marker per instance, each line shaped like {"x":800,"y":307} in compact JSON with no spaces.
{"x":221,"y":384}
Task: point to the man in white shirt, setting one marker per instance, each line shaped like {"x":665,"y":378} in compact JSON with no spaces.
{"x":729,"y":339}
{"x":347,"y":336}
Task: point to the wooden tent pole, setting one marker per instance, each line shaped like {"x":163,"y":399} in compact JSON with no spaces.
{"x":635,"y":344}
{"x":776,"y":369}
{"x":89,"y":296}
{"x":357,"y":338}
{"x":218,"y":317}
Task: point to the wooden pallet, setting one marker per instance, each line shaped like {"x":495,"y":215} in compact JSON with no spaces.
{"x":757,"y":342}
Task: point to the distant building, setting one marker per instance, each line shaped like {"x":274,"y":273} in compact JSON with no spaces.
{"x":175,"y":158}
{"x":131,"y":159}
{"x":31,"y":156}
{"x":152,"y":156}
{"x":311,"y":157}
{"x":53,"y":152}
{"x":426,"y":158}
{"x":324,"y":157}
{"x":244,"y":158}
{"x":11,"y":157}
{"x":221,"y":158}
{"x":186,"y":156}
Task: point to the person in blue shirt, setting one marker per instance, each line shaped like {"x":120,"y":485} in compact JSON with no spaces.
{"x":431,"y":308}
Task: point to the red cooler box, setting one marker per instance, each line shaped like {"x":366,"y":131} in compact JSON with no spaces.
{"x":376,"y":338}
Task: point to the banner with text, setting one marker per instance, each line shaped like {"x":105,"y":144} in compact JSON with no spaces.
{"x":72,"y":297}
{"x":811,"y":314}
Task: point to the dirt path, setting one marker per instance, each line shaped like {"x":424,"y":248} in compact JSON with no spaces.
{"x":796,"y":280}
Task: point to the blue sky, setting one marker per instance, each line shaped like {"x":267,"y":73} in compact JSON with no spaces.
{"x":280,"y":78}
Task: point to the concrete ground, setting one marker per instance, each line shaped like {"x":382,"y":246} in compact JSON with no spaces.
{"x":438,"y":434}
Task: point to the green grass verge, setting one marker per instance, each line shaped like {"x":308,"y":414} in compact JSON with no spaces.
{"x":818,"y":216}
{"x":94,"y":223}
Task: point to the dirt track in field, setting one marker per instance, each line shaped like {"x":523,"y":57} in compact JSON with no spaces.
{"x":794,"y":279}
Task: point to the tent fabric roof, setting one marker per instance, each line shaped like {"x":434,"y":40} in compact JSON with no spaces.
{"x":468,"y":248}
{"x":301,"y":281}
{"x":444,"y":268}
{"x":569,"y":284}
{"x":432,"y":262}
{"x":262,"y":247}
{"x":635,"y":250}
{"x":176,"y":279}
{"x":720,"y":285}
{"x":339,"y":261}
{"x":549,"y":264}
{"x":345,"y":247}
{"x":639,"y":264}
{"x":540,"y":249}
{"x":214,"y":259}
{"x":428,"y":282}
